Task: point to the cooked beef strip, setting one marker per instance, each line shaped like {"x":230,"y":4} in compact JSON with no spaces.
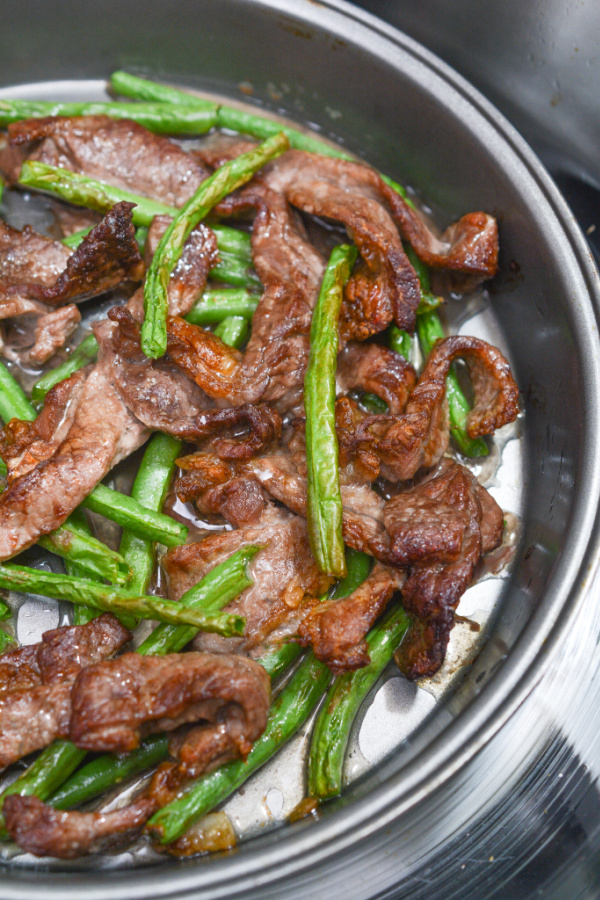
{"x":273,"y":365}
{"x":101,"y":432}
{"x":284,"y":574}
{"x":35,"y":703}
{"x":337,"y":629}
{"x":44,"y":831}
{"x":418,"y":437}
{"x":117,"y":702}
{"x":378,"y":370}
{"x":437,"y":530}
{"x":51,"y":331}
{"x":118,"y":151}
{"x":107,"y":256}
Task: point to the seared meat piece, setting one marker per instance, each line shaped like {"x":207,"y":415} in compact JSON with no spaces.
{"x":284,"y":574}
{"x":35,"y":703}
{"x":273,"y":365}
{"x":378,"y":370}
{"x":440,"y":529}
{"x":336,"y":629}
{"x":118,"y":151}
{"x":101,"y":432}
{"x":51,"y":332}
{"x":107,"y":256}
{"x":117,"y":702}
{"x":418,"y":437}
{"x":44,"y":831}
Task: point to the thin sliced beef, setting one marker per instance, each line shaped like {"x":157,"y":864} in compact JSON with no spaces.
{"x":439,"y":529}
{"x":44,"y":831}
{"x":117,"y":702}
{"x":118,"y":151}
{"x":35,"y":703}
{"x":337,"y":629}
{"x":101,"y":432}
{"x":52,"y":331}
{"x":34,"y":268}
{"x":376,"y":370}
{"x":418,"y":437}
{"x":273,"y":365}
{"x":284,"y":574}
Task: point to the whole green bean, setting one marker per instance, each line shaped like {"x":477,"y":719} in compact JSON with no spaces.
{"x":222,"y":182}
{"x":142,"y":89}
{"x":86,"y":352}
{"x":430,"y":331}
{"x":214,"y":306}
{"x":161,"y":118}
{"x":289,"y":711}
{"x":237,"y":272}
{"x":144,"y":522}
{"x":110,"y":599}
{"x":346,"y":695}
{"x":93,"y":557}
{"x":324,"y":501}
{"x":358,"y":567}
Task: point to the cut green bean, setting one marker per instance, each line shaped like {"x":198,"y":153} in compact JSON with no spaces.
{"x":236,"y":272}
{"x":7,"y":641}
{"x":214,"y":306}
{"x":5,"y":611}
{"x":346,"y":695}
{"x":289,"y":711}
{"x":161,"y":118}
{"x":324,"y":500}
{"x":13,"y":401}
{"x":106,"y":772}
{"x":373,"y":404}
{"x":130,"y":514}
{"x":222,"y":182}
{"x":358,"y":567}
{"x":92,"y":556}
{"x":429,"y":331}
{"x":118,"y":600}
{"x":233,"y":330}
{"x":86,"y":352}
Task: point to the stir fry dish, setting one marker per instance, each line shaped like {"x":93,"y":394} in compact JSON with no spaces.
{"x":262,"y":326}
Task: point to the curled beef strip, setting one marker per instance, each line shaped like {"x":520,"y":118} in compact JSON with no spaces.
{"x":100,"y":433}
{"x":165,"y":692}
{"x":273,"y":365}
{"x":107,"y":256}
{"x":35,"y":703}
{"x":118,"y":151}
{"x":418,"y":437}
{"x":44,"y":831}
{"x":285,"y":578}
{"x":439,"y":529}
{"x":51,"y":331}
{"x":337,"y":629}
{"x":377,"y":370}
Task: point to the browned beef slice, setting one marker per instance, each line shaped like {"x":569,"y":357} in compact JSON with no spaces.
{"x":101,"y":432}
{"x":437,"y":531}
{"x":118,"y":151}
{"x":377,"y":370}
{"x":336,"y":629}
{"x":35,"y":704}
{"x":284,"y":575}
{"x":51,"y":331}
{"x":418,"y":437}
{"x":107,"y":256}
{"x":116,"y":702}
{"x":39,"y":829}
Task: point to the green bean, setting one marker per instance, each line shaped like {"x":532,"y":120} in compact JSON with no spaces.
{"x":218,"y":587}
{"x":232,"y":240}
{"x":107,"y":771}
{"x":7,"y":641}
{"x":13,"y":401}
{"x":214,"y":306}
{"x":289,"y":711}
{"x":233,"y":330}
{"x":5,"y":611}
{"x":161,"y":118}
{"x":130,"y":514}
{"x":324,"y":501}
{"x":358,"y":567}
{"x":429,"y":331}
{"x":222,"y":182}
{"x":141,"y":89}
{"x":373,"y":404}
{"x":236,"y":272}
{"x":93,"y":557}
{"x":110,"y":599}
{"x":85,"y":353}
{"x":346,"y":695}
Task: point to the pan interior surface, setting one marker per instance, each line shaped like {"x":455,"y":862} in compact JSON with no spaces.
{"x":383,"y":98}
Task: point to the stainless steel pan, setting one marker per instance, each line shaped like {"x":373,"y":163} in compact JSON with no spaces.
{"x":400,"y":108}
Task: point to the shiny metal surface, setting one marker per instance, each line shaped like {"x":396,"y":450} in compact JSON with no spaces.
{"x":454,"y":811}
